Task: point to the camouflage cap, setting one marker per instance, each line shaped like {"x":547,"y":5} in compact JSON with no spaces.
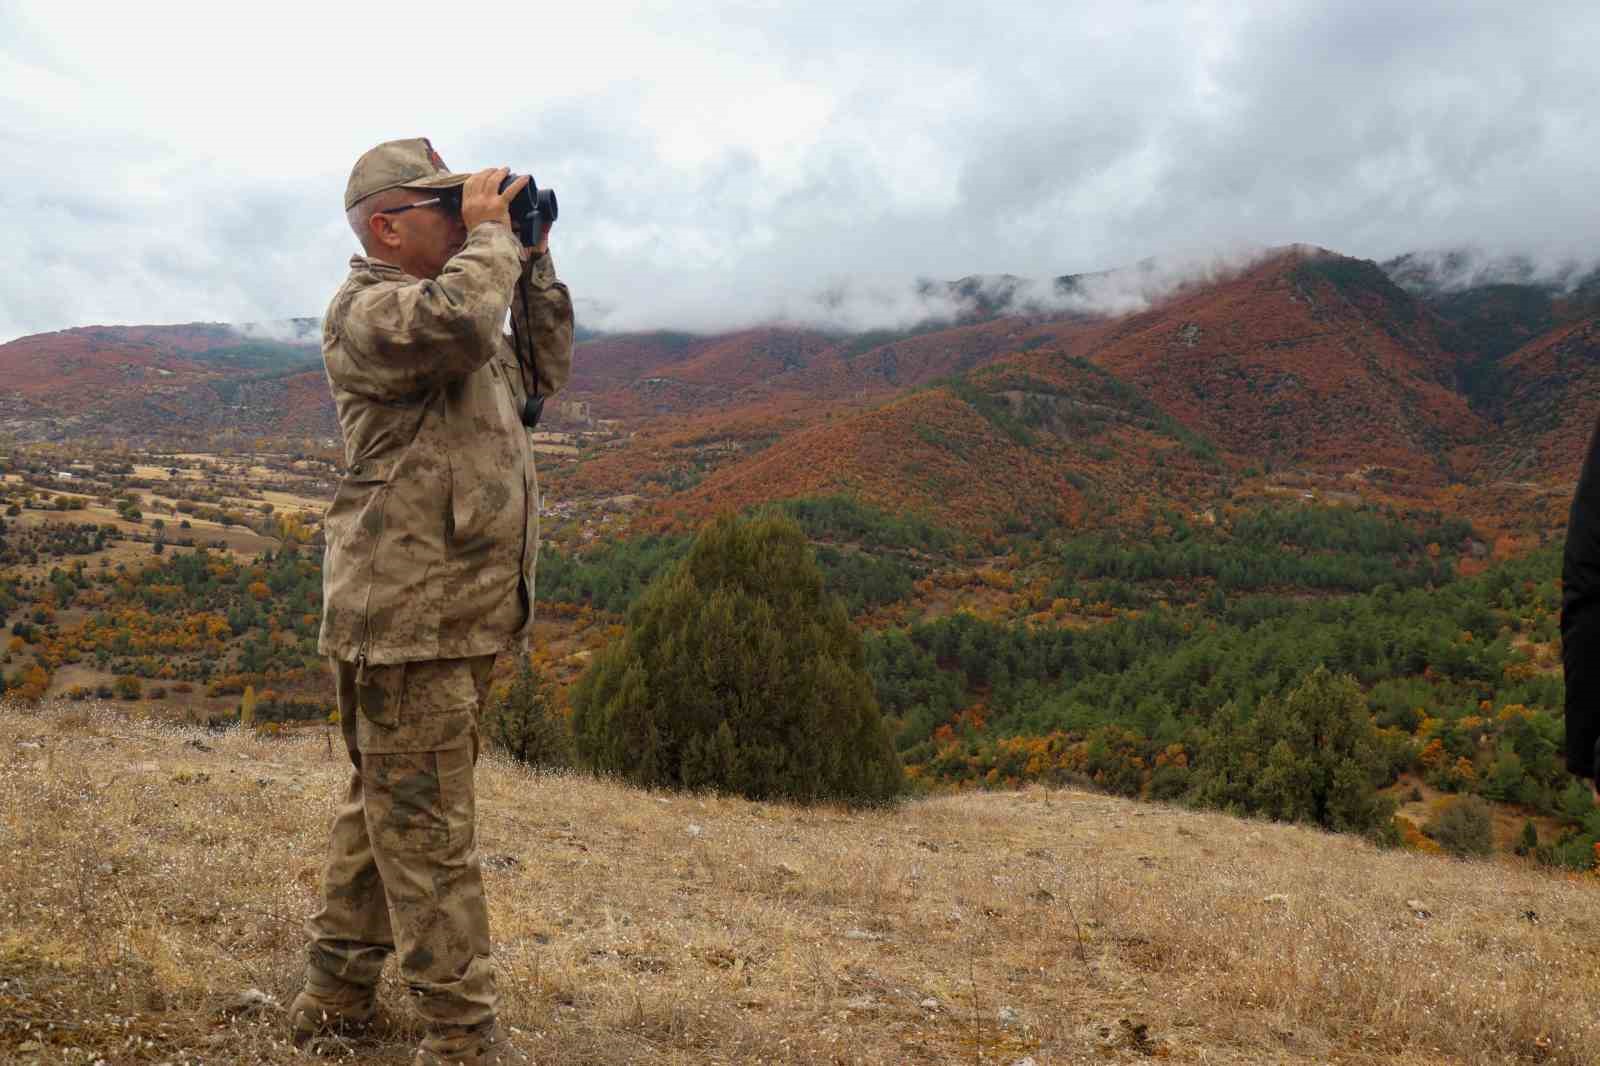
{"x":407,"y":164}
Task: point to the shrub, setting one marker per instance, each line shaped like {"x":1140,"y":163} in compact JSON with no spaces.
{"x":739,"y":671}
{"x":526,"y":722}
{"x":1169,"y":783}
{"x":1528,"y":843}
{"x":128,"y":687}
{"x":1311,"y":757}
{"x":1463,"y":827}
{"x":270,"y":708}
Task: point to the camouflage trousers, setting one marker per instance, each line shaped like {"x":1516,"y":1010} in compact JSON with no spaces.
{"x":402,"y":873}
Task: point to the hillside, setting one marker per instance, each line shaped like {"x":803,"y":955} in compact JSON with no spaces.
{"x":1003,"y":446}
{"x":168,"y":871}
{"x":1306,"y":357}
{"x":162,"y":383}
{"x":1491,"y":309}
{"x":1551,"y":400}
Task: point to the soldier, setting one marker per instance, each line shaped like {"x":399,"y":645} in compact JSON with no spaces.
{"x":428,"y":575}
{"x":1580,"y":622}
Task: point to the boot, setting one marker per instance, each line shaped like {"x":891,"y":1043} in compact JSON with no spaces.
{"x":327,"y":1006}
{"x":475,"y":1045}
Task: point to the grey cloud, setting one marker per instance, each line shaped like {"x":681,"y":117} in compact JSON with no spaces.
{"x":285,"y":331}
{"x":1456,"y":269}
{"x":1048,"y":139}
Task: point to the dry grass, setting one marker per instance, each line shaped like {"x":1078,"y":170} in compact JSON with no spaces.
{"x":148,"y":882}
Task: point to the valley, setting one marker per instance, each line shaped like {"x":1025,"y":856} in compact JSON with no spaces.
{"x":1068,"y":541}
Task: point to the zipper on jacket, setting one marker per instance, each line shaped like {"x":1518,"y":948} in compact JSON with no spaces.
{"x":372,"y":567}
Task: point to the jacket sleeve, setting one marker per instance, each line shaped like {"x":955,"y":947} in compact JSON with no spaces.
{"x":1580,"y":617}
{"x":408,"y":337}
{"x":542,"y":326}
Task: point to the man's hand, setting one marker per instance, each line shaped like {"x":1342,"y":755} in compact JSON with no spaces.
{"x":482,"y":202}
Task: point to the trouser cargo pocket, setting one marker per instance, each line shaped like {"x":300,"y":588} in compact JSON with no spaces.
{"x":420,"y":800}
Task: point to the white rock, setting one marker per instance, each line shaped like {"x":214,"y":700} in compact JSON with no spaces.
{"x":1010,"y":1016}
{"x":1276,"y":897}
{"x":930,"y":1004}
{"x":253,"y":1001}
{"x":695,"y":830}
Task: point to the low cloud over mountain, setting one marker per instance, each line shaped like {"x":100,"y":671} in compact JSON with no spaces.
{"x":719,"y":170}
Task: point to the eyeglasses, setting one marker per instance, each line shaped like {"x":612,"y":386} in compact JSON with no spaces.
{"x":408,"y":207}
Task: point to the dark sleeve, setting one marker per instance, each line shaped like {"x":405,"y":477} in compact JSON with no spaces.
{"x":1580,"y":617}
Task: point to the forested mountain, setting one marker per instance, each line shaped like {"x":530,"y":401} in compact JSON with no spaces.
{"x":1303,"y":357}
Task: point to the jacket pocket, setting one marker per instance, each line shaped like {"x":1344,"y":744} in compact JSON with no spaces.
{"x":353,"y":526}
{"x":484,"y":498}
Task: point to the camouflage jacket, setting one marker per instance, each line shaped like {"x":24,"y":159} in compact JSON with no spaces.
{"x":433,"y":533}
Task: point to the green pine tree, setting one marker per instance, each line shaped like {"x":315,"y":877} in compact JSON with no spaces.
{"x":527,"y":723}
{"x":1528,"y":843}
{"x":740,"y":672}
{"x":1310,"y":757}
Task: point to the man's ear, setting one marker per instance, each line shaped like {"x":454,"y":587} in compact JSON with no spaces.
{"x":384,"y":234}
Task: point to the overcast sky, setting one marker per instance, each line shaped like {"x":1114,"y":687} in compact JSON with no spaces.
{"x":725,"y":163}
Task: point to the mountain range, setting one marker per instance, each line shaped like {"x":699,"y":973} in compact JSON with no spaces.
{"x":1023,"y":401}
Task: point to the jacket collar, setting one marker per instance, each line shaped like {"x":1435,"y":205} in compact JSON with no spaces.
{"x":377,"y":266}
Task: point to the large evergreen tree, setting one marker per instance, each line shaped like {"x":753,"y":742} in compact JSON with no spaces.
{"x":1311,"y":757}
{"x":739,"y":671}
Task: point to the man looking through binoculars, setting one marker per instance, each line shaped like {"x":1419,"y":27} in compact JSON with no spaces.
{"x":428,"y":575}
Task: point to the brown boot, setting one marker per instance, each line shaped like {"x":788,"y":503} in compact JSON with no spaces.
{"x":476,"y":1045}
{"x":329,"y":1007}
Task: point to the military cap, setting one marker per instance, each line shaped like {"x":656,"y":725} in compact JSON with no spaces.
{"x":407,"y":164}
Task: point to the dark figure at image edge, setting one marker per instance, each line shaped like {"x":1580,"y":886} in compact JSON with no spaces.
{"x":427,"y":577}
{"x":1580,"y":620}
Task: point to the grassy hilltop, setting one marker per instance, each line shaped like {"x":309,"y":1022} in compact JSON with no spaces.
{"x":155,"y":874}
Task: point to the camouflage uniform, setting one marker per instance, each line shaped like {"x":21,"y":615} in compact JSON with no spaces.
{"x":428,"y":574}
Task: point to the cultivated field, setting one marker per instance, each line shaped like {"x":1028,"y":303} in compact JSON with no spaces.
{"x":155,"y":876}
